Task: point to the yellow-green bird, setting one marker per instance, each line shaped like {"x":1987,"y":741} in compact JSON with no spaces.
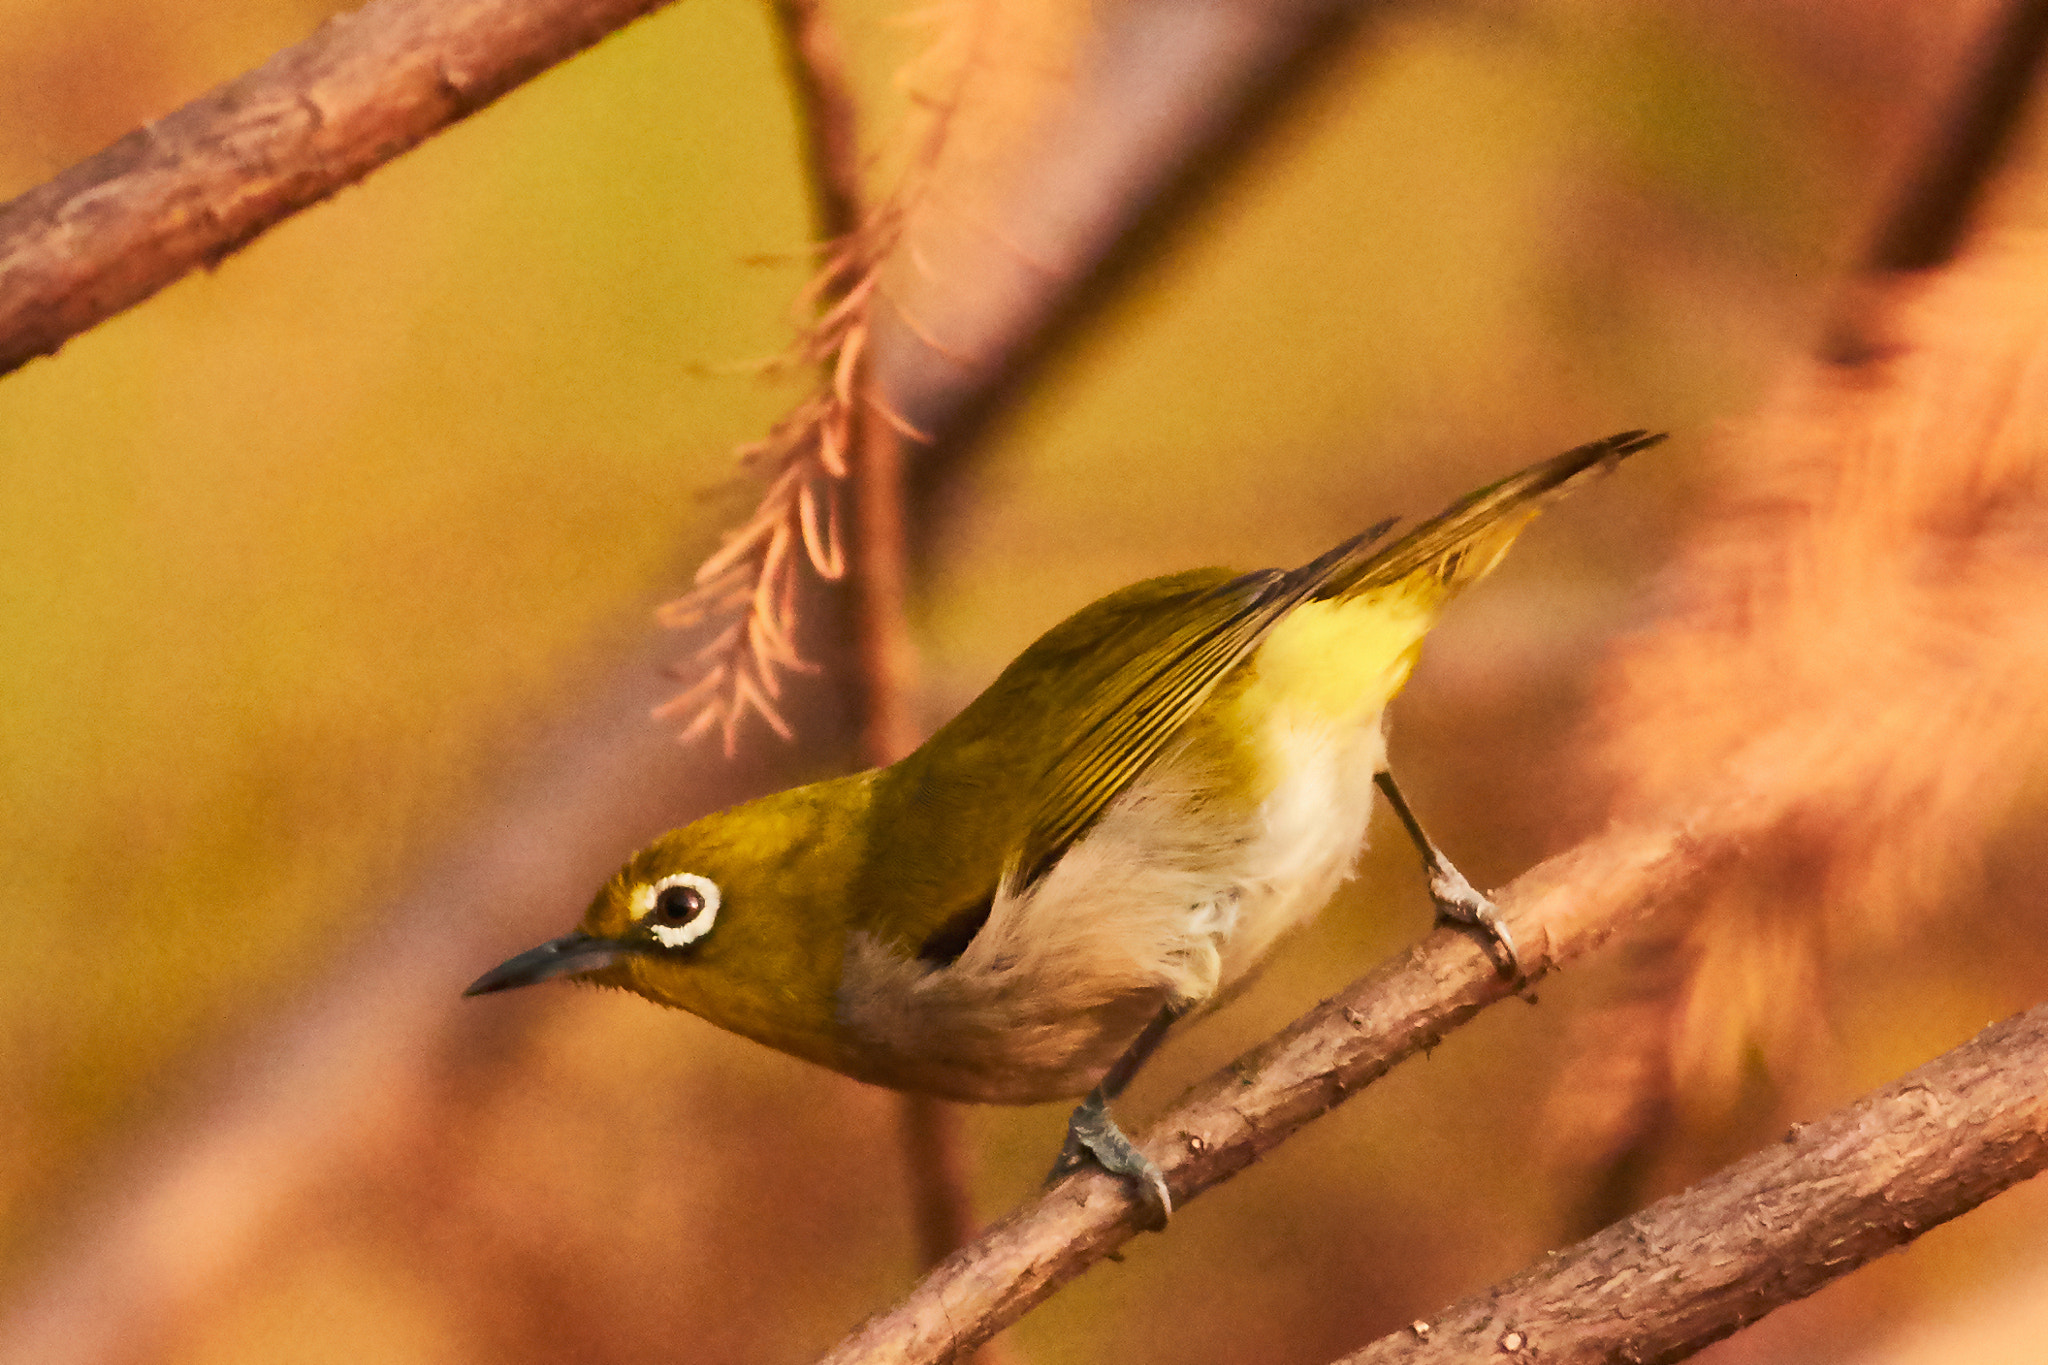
{"x":1108,"y":838}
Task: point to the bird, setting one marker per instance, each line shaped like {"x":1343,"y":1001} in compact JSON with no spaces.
{"x":1105,"y":841}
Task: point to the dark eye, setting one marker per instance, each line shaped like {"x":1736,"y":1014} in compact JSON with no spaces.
{"x":683,"y":908}
{"x":678,"y":905}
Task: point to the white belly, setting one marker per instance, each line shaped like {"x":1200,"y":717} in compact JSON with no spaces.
{"x":1310,"y":832}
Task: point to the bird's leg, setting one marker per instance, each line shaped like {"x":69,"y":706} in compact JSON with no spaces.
{"x":1091,"y":1132}
{"x":1456,"y":899}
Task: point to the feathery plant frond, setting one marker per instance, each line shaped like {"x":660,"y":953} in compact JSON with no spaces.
{"x":754,"y":577}
{"x":753,"y":580}
{"x":996,"y":50}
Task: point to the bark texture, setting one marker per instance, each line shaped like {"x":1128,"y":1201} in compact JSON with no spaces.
{"x":1833,"y":1195}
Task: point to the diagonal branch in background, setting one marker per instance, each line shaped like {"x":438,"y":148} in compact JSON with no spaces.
{"x":1926,"y":226}
{"x":1834,"y":1195}
{"x":190,"y":189}
{"x":335,"y":1082}
{"x":1559,"y":911}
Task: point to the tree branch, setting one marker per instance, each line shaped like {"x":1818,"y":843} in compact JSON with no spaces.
{"x":191,"y":189}
{"x":1558,"y":911}
{"x":1834,"y":1195}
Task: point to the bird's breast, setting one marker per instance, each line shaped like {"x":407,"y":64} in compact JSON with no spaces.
{"x":1185,"y":883}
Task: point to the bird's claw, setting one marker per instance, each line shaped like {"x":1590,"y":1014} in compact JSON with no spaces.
{"x":1459,"y":902}
{"x":1092,"y":1135}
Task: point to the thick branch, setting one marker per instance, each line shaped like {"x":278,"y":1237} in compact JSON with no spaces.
{"x":1835,"y":1194}
{"x":1559,"y":911}
{"x":190,"y":189}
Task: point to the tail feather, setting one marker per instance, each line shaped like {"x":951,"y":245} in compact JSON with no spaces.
{"x":1462,"y":544}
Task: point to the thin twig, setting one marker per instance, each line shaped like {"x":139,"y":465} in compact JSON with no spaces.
{"x":881,"y":581}
{"x":826,"y":116}
{"x":935,"y":1150}
{"x":815,"y":448}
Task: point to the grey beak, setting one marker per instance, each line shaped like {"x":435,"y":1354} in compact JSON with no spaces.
{"x":572,"y":952}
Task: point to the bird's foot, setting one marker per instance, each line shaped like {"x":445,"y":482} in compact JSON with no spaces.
{"x":1459,"y":902}
{"x":1093,"y":1135}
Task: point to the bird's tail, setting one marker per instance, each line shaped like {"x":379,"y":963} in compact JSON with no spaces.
{"x":1462,"y":544}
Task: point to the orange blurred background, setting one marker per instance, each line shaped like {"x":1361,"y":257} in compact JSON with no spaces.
{"x":305,"y":561}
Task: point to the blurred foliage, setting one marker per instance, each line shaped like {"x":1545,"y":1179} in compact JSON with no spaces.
{"x":295,"y":558}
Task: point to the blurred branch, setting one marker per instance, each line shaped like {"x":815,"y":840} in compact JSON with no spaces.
{"x":934,"y":1147}
{"x":1168,"y":101}
{"x":1835,"y":1194}
{"x":191,"y":189}
{"x":1947,"y":183}
{"x":1559,"y":910}
{"x":1927,"y":224}
{"x":935,"y":1152}
{"x":334,"y":1081}
{"x":827,"y":120}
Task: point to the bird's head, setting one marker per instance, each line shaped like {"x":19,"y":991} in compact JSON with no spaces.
{"x":740,"y":918}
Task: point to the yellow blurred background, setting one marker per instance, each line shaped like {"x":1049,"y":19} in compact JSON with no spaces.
{"x":302,"y":561}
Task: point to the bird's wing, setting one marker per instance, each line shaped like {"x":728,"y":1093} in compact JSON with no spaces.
{"x":1135,"y":714}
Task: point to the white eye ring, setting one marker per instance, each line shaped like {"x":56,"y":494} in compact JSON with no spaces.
{"x":698,"y":925}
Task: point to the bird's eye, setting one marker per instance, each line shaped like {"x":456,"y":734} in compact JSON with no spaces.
{"x":677,"y":904}
{"x":680,"y":909}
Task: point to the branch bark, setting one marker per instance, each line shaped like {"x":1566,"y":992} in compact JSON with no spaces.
{"x":1559,"y":911}
{"x":192,"y":188}
{"x":1834,"y":1195}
